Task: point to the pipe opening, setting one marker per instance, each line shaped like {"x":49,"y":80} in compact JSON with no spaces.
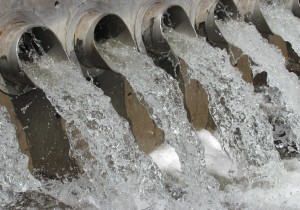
{"x":296,"y":8}
{"x":38,"y":41}
{"x":176,"y":18}
{"x":112,"y":27}
{"x":56,"y":4}
{"x":221,"y":10}
{"x":157,"y":20}
{"x":23,"y":44}
{"x":226,"y":9}
{"x":94,"y":29}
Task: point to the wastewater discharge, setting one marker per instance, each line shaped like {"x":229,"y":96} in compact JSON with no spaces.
{"x":283,"y":23}
{"x":161,"y":95}
{"x":243,"y":128}
{"x":116,"y":174}
{"x":282,"y":89}
{"x":15,"y":178}
{"x":241,"y":125}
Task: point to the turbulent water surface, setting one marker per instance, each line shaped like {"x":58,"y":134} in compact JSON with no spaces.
{"x":283,"y":87}
{"x":283,"y":23}
{"x":243,"y":128}
{"x":14,"y":175}
{"x":116,"y":173}
{"x":164,"y":101}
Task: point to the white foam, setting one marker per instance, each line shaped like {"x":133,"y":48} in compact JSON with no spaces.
{"x":292,"y":165}
{"x":166,"y":158}
{"x":217,"y":161}
{"x":283,"y":194}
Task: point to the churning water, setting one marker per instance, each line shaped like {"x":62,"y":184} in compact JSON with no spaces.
{"x":14,"y":175}
{"x":283,"y":23}
{"x":244,"y":130}
{"x":162,"y":97}
{"x":281,"y":91}
{"x":238,"y":113}
{"x":116,"y":175}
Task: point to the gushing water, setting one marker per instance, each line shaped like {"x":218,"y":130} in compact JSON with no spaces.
{"x":116,"y":174}
{"x":242,"y":127}
{"x":283,"y":87}
{"x":235,"y":107}
{"x":14,"y":175}
{"x":283,"y":23}
{"x":161,"y":95}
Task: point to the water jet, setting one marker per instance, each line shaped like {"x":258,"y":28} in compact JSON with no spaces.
{"x":24,"y":35}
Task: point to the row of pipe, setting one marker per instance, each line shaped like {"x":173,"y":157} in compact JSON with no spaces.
{"x":70,"y":30}
{"x":94,"y":21}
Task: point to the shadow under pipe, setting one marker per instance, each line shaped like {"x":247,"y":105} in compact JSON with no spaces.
{"x":45,"y":139}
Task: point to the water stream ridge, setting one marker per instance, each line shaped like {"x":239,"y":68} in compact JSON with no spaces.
{"x":248,"y":162}
{"x":279,"y":93}
{"x":113,"y":166}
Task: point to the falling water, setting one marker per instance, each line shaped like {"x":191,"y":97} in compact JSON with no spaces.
{"x":116,"y":175}
{"x":283,"y":87}
{"x":161,"y":95}
{"x":14,"y":175}
{"x":242,"y":126}
{"x":283,"y":23}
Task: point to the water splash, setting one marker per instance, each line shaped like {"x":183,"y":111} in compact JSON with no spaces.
{"x":243,"y":128}
{"x":160,"y":93}
{"x":235,"y":106}
{"x":14,"y":174}
{"x":283,"y":23}
{"x":116,"y":173}
{"x":285,"y":85}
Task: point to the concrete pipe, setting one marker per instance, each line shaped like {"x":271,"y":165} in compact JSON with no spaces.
{"x":19,"y":32}
{"x":295,"y":6}
{"x":152,"y":19}
{"x":93,"y":23}
{"x":205,"y":15}
{"x":207,"y":12}
{"x":254,"y":15}
{"x":41,"y":132}
{"x":219,"y":10}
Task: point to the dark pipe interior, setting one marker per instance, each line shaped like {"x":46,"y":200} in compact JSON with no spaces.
{"x":176,"y":18}
{"x":39,"y":41}
{"x":112,"y":27}
{"x":226,"y":9}
{"x":35,"y":40}
{"x":173,"y":17}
